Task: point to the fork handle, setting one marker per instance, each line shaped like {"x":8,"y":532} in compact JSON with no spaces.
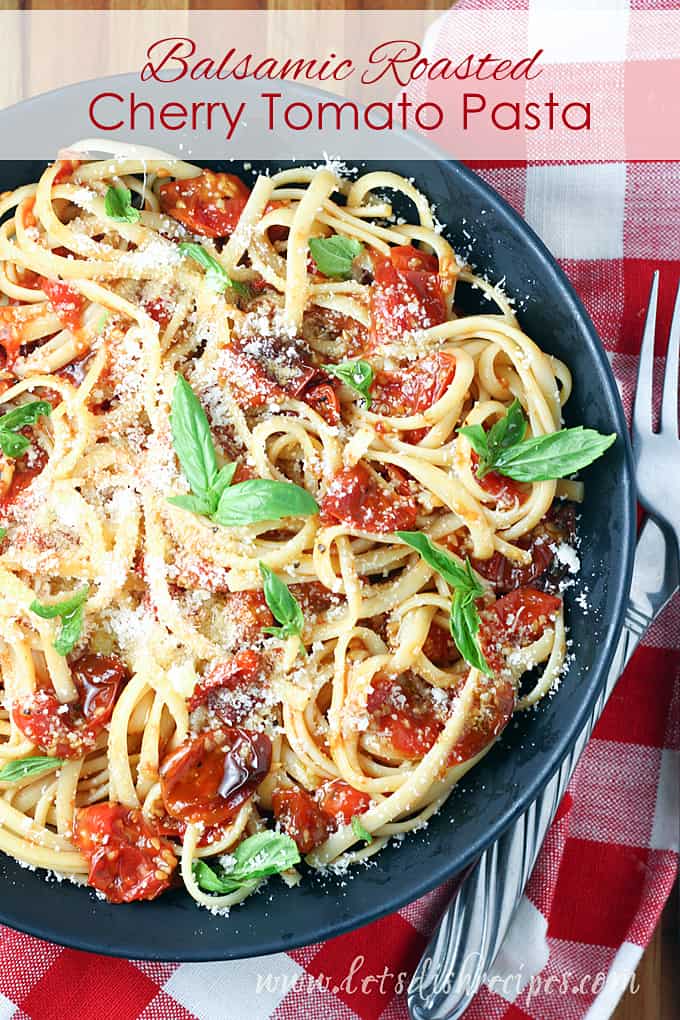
{"x":474,"y":925}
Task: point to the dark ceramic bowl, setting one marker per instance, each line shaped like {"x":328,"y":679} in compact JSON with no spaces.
{"x":513,"y":773}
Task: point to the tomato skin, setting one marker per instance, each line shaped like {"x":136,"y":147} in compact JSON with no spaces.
{"x":208,"y":777}
{"x":324,"y":400}
{"x":406,"y":295}
{"x":129,"y":860}
{"x":413,"y":389}
{"x":523,"y":613}
{"x":67,"y":303}
{"x":250,"y":610}
{"x":160,"y":310}
{"x":404,"y":716}
{"x":341,"y":801}
{"x":355,"y":498}
{"x":210,"y":204}
{"x":67,"y":167}
{"x":241,"y":673}
{"x":440,"y":647}
{"x":72,"y":733}
{"x":492,"y":708}
{"x":506,"y":491}
{"x":300,"y":817}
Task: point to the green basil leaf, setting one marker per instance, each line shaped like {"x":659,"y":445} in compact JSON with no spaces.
{"x":359,"y":831}
{"x":192,"y":440}
{"x":14,"y":444}
{"x":225,"y":476}
{"x":118,"y":206}
{"x":334,"y":255}
{"x":22,"y":768}
{"x":464,"y":620}
{"x":284,"y":607}
{"x":263,"y":854}
{"x":477,"y":438}
{"x":358,"y":375}
{"x":216,"y":275}
{"x":464,"y":623}
{"x":553,"y":456}
{"x":70,"y":611}
{"x":195,"y":504}
{"x":3,"y":532}
{"x":261,"y":499}
{"x":454,"y":574}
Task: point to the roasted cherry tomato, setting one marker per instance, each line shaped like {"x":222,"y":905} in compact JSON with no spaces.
{"x":324,"y":400}
{"x":71,"y":730}
{"x":210,"y":204}
{"x":67,"y":167}
{"x":300,"y":817}
{"x":356,"y":498}
{"x":406,"y":295}
{"x":250,"y":613}
{"x":160,"y":310}
{"x":232,"y":689}
{"x":67,"y":303}
{"x":440,"y":647}
{"x":208,"y":777}
{"x":413,"y":389}
{"x":129,"y":860}
{"x":492,"y":708}
{"x":403,"y":714}
{"x":506,"y":491}
{"x":341,"y":802}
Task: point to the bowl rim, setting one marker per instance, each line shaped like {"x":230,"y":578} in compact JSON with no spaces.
{"x":619,"y":586}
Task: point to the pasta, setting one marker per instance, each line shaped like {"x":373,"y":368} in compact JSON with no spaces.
{"x":216,"y":651}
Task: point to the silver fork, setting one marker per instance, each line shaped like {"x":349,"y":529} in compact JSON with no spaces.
{"x":475,"y":923}
{"x":658,"y":491}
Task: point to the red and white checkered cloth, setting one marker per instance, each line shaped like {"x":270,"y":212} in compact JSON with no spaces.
{"x":610,"y":859}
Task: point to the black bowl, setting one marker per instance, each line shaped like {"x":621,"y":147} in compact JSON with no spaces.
{"x":532,"y":747}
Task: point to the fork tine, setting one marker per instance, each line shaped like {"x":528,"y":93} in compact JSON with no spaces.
{"x":643,"y":405}
{"x":669,"y":402}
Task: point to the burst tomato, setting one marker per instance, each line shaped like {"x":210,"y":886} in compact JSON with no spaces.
{"x":506,"y":491}
{"x":300,"y":817}
{"x":403,"y":714}
{"x":413,"y":389}
{"x":67,"y":167}
{"x":492,"y":707}
{"x":356,"y":498}
{"x":128,"y":858}
{"x":67,"y":303}
{"x":208,"y":777}
{"x":71,"y":730}
{"x":324,"y":400}
{"x":341,"y":802}
{"x":232,"y":689}
{"x":210,"y":204}
{"x":406,"y":294}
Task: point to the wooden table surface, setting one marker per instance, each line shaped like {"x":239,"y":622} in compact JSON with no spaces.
{"x":658,"y":974}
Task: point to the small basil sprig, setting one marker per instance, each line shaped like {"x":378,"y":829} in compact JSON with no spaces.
{"x":464,"y":620}
{"x":12,"y":442}
{"x":22,"y":768}
{"x":216,"y":275}
{"x":358,"y":375}
{"x":212,"y":494}
{"x":284,"y":607}
{"x":118,"y":206}
{"x":360,"y":831}
{"x":334,"y":255}
{"x":261,"y":855}
{"x":541,"y":458}
{"x":262,"y":499}
{"x":196,"y":452}
{"x":70,"y":612}
{"x":3,"y":532}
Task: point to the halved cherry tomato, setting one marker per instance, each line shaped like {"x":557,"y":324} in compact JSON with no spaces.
{"x":210,"y":204}
{"x":414,"y":388}
{"x":160,"y":310}
{"x":232,"y":689}
{"x":250,"y":613}
{"x":356,"y":498}
{"x":324,"y":400}
{"x":401,"y":712}
{"x":300,"y":817}
{"x":406,"y":294}
{"x":341,"y":802}
{"x":507,"y":491}
{"x":440,"y":647}
{"x":208,"y":777}
{"x":173,"y":828}
{"x":492,"y":707}
{"x":315,"y":598}
{"x":525,"y":613}
{"x":67,"y":303}
{"x":129,"y":860}
{"x":70,"y":730}
{"x":505,"y":575}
